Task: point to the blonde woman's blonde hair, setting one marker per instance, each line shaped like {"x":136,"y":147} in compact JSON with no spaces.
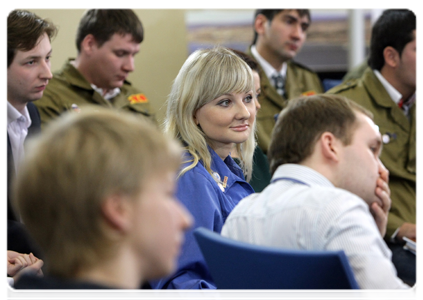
{"x":69,"y":170}
{"x":206,"y":75}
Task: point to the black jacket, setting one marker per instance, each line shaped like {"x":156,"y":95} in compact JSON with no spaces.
{"x":49,"y":288}
{"x":17,"y":237}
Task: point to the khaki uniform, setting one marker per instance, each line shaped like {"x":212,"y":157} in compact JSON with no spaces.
{"x":69,"y":90}
{"x":399,"y":148}
{"x":299,"y":81}
{"x":356,"y":72}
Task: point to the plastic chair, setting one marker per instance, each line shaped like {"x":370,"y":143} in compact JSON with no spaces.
{"x":238,"y":265}
{"x":330,"y":83}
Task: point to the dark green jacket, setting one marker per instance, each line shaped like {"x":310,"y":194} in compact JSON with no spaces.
{"x":68,"y":87}
{"x":399,"y":154}
{"x":299,"y":81}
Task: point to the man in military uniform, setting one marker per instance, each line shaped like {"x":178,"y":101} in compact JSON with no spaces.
{"x":279,"y":35}
{"x":387,"y":88}
{"x":107,"y":41}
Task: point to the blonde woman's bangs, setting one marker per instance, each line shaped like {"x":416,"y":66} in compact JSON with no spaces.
{"x":232,"y":75}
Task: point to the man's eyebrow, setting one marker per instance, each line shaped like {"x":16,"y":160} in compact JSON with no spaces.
{"x":126,"y":51}
{"x":304,"y":24}
{"x":39,"y":56}
{"x":291,"y":17}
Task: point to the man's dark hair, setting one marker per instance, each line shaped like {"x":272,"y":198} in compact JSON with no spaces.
{"x":304,"y":120}
{"x":394,"y":28}
{"x":24,"y":30}
{"x":271,"y":13}
{"x":104,"y":23}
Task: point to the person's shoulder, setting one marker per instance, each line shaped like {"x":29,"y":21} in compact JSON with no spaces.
{"x":29,"y":288}
{"x":60,"y":84}
{"x":129,"y":89}
{"x":64,"y":74}
{"x":197,"y":173}
{"x":344,"y":86}
{"x":341,"y":198}
{"x":299,"y":67}
{"x":250,"y":205}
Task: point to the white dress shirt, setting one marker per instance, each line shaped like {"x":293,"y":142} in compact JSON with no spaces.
{"x":17,"y":129}
{"x":109,"y":95}
{"x":301,"y":209}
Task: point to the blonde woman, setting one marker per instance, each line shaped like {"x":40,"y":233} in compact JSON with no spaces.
{"x":210,"y":109}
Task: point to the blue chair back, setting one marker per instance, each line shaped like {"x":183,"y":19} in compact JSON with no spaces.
{"x":330,"y":83}
{"x":238,"y":265}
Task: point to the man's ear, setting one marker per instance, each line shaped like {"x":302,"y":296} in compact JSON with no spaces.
{"x":330,"y":146}
{"x":116,"y":212}
{"x":391,"y":56}
{"x":88,"y":44}
{"x":260,"y":24}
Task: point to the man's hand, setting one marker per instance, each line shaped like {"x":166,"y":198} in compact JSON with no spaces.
{"x":380,"y":213}
{"x":406,"y":230}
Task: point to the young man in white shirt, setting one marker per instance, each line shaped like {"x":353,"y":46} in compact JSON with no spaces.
{"x":329,"y":189}
{"x":388,"y":89}
{"x":28,"y":73}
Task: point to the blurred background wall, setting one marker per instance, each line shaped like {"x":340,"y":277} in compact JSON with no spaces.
{"x":172,"y":34}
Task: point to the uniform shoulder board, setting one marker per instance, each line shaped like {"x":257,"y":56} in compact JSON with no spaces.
{"x":344,"y":86}
{"x":299,"y":65}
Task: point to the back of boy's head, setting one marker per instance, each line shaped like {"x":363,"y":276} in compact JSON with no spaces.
{"x":304,"y":120}
{"x":104,"y":23}
{"x":72,"y":167}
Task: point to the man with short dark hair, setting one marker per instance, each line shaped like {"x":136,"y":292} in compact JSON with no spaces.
{"x":279,"y":35}
{"x":107,"y":41}
{"x":329,"y":189}
{"x":387,"y":88}
{"x":28,"y":73}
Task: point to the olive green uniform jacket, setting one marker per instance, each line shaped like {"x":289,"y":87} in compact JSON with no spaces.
{"x":399,"y":153}
{"x":356,"y":72}
{"x":69,"y":90}
{"x":299,"y":81}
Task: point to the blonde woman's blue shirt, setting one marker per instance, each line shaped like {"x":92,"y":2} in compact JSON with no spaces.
{"x":210,"y":206}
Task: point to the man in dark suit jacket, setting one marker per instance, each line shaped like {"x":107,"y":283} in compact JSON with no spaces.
{"x":28,"y":72}
{"x":17,"y":238}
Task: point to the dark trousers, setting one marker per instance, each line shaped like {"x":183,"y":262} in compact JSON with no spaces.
{"x":405,"y":263}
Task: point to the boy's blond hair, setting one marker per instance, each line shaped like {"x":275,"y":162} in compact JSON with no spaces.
{"x":78,"y":161}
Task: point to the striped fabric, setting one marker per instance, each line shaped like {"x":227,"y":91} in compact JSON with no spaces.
{"x":303,"y":210}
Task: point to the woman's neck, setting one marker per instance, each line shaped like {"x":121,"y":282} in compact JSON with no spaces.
{"x":223,"y":150}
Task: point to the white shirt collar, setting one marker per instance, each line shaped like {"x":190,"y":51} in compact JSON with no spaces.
{"x":13,"y":115}
{"x":109,"y":95}
{"x":393,"y":93}
{"x":267,"y":68}
{"x":301,"y":173}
